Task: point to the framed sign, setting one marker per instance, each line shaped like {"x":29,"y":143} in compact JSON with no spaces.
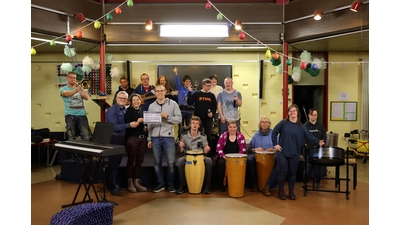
{"x":343,"y":111}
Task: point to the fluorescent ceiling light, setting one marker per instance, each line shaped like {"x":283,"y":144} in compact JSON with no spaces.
{"x":45,"y":40}
{"x":194,"y":31}
{"x":241,"y":47}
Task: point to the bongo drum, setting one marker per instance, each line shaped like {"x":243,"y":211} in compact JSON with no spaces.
{"x":236,"y":167}
{"x":265,"y":165}
{"x":194,"y":170}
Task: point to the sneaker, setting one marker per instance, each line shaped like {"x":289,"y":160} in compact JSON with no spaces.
{"x":158,"y":188}
{"x":206,"y":189}
{"x":281,"y":195}
{"x":182,"y":189}
{"x":171,"y":189}
{"x":318,"y":185}
{"x":302,"y":185}
{"x":222,"y":189}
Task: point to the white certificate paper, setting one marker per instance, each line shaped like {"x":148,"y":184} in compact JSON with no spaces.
{"x":152,"y":117}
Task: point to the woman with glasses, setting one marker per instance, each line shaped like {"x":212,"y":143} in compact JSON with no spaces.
{"x":292,"y":134}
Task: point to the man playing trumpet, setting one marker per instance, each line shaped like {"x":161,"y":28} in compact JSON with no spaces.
{"x":74,"y":109}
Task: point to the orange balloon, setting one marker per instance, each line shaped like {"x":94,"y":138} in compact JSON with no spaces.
{"x":79,"y":34}
{"x":276,"y":56}
{"x":118,"y":10}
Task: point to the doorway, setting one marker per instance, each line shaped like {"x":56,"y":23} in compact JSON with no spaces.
{"x":307,"y":97}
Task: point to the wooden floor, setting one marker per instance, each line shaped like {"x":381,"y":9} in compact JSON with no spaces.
{"x":48,"y":195}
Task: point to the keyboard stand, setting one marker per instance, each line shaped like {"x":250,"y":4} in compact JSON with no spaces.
{"x":85,"y":177}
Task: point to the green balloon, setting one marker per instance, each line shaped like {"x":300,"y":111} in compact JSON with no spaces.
{"x":109,"y":17}
{"x":129,"y":3}
{"x":219,"y":16}
{"x":52,"y":43}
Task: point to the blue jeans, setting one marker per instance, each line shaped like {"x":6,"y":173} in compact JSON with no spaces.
{"x":224,"y":126}
{"x":273,"y":179}
{"x":80,"y":122}
{"x":164,"y":145}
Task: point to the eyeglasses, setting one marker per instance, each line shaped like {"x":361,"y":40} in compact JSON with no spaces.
{"x":72,"y":77}
{"x":293,"y":111}
{"x":122,"y":98}
{"x":264,"y":121}
{"x":159,"y":91}
{"x":145,"y":78}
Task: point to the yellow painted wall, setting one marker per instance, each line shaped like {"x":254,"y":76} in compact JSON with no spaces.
{"x":47,"y":107}
{"x":344,"y":77}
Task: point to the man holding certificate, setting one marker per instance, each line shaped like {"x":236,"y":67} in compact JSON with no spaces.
{"x":161,"y":117}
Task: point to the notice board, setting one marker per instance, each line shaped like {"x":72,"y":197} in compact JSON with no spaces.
{"x":343,"y":111}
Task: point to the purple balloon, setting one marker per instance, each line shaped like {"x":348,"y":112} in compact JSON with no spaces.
{"x":314,"y":66}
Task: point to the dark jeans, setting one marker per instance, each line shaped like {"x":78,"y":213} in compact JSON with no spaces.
{"x":286,"y":165}
{"x":206,"y":125}
{"x":252,"y":167}
{"x":80,"y":122}
{"x":136,"y":148}
{"x":221,"y":166}
{"x":273,"y":179}
{"x":186,"y":117}
{"x":113,"y":164}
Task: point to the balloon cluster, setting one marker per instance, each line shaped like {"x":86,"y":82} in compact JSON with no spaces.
{"x":311,"y":67}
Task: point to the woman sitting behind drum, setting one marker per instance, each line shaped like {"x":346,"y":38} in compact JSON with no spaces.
{"x":190,"y":140}
{"x":231,"y":141}
{"x":260,"y":142}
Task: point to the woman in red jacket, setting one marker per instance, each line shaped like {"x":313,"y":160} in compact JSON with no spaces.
{"x":231,"y":141}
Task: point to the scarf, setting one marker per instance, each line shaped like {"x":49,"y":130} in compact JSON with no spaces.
{"x":264,"y":133}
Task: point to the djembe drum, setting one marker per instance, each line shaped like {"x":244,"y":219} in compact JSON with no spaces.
{"x":194,"y":170}
{"x":236,"y":169}
{"x":265,"y":165}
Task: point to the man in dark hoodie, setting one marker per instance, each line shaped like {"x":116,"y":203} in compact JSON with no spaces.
{"x":125,"y":86}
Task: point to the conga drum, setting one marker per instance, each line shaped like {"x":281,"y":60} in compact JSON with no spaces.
{"x":194,"y":170}
{"x":265,"y":165}
{"x":236,"y":167}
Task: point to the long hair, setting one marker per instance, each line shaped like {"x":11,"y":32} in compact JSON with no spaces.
{"x":298,"y":122}
{"x":167,"y":87}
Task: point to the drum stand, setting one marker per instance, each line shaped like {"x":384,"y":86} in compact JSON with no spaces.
{"x":337,"y":177}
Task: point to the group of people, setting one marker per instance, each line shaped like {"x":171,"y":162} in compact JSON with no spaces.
{"x":286,"y":139}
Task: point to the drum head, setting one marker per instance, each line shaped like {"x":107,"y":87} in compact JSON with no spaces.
{"x":265,"y":152}
{"x":195,"y":152}
{"x":236,"y":155}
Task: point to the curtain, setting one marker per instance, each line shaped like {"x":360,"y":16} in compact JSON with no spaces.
{"x":365,"y":95}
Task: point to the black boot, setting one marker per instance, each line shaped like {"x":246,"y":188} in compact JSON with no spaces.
{"x":292,"y":196}
{"x":281,"y":194}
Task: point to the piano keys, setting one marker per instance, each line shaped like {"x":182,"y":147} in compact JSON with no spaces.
{"x":90,"y":148}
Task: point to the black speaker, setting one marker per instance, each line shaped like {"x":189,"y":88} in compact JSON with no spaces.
{"x":260,"y":93}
